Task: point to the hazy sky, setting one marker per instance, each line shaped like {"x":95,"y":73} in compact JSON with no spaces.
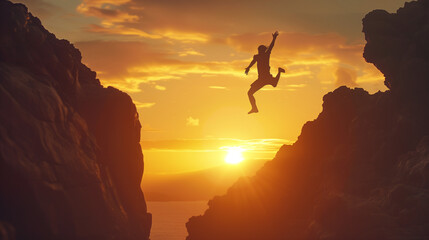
{"x":182,"y":62}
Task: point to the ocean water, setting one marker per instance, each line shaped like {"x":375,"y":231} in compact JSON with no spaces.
{"x":169,"y":218}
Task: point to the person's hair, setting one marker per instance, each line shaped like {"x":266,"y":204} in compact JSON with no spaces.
{"x":262,"y":48}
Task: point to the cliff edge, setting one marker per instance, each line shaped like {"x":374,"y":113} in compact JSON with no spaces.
{"x":70,"y":157}
{"x":358,"y":171}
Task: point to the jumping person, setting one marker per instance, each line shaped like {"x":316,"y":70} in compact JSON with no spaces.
{"x":264,"y":75}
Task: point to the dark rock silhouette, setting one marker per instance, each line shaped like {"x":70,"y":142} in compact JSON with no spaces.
{"x":397,"y":44}
{"x":70,"y":158}
{"x":360,"y":170}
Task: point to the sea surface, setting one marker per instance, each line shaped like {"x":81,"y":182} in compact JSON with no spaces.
{"x":169,"y":218}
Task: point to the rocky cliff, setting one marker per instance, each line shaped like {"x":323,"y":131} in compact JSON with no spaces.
{"x":361,"y":169}
{"x":70,"y":158}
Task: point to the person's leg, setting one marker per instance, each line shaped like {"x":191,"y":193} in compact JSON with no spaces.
{"x":277,"y":78}
{"x":254,"y":88}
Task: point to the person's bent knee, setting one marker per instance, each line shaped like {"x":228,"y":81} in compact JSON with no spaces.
{"x":250,"y":93}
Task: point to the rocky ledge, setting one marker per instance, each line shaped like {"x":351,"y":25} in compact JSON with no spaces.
{"x":70,"y":157}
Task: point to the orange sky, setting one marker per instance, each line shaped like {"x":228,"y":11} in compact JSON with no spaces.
{"x":183,"y":64}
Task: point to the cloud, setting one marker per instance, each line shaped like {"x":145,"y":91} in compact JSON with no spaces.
{"x":110,"y":11}
{"x":126,"y":65}
{"x":184,"y":36}
{"x":114,"y":18}
{"x":172,"y":34}
{"x":190,"y":121}
{"x":190,"y":52}
{"x":143,"y":105}
{"x":178,"y":69}
{"x":180,"y":21}
{"x":218,"y":87}
{"x":114,"y":61}
{"x":127,"y":17}
{"x":215,"y":144}
{"x":297,"y":85}
{"x":345,"y":77}
{"x":120,"y":30}
{"x":161,"y":88}
{"x":223,"y":16}
{"x":114,"y":58}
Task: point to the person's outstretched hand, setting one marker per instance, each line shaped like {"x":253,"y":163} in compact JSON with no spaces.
{"x":246,"y":71}
{"x":275,"y":34}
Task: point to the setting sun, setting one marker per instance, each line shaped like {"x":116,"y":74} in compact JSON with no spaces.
{"x":234,"y":155}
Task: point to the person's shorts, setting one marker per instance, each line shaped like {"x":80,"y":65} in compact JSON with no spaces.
{"x":263,"y":80}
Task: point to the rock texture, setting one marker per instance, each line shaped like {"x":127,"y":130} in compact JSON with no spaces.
{"x":361,"y":169}
{"x":70,"y":158}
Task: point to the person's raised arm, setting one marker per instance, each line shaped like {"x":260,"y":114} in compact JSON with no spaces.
{"x":272,"y":42}
{"x":250,"y":65}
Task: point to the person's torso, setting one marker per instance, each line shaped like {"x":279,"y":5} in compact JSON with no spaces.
{"x":263,"y":63}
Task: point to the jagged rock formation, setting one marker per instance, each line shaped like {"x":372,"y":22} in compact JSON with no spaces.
{"x":361,"y":169}
{"x":70,"y":158}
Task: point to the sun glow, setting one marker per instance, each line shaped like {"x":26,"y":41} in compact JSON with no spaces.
{"x":234,"y":155}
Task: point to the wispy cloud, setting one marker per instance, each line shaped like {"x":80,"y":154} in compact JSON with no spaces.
{"x":190,"y":121}
{"x":218,"y":87}
{"x":115,"y":29}
{"x":346,"y":77}
{"x":143,"y":105}
{"x":127,"y":65}
{"x":161,"y":88}
{"x":216,"y":144}
{"x":214,"y":17}
{"x":189,"y":37}
{"x":190,"y":52}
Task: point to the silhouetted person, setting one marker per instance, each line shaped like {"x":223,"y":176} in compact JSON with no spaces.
{"x":264,"y":75}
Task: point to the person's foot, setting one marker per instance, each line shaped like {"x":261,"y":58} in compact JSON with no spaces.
{"x":253,"y":111}
{"x":275,"y":82}
{"x":282,"y":70}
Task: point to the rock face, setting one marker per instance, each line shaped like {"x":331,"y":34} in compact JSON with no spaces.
{"x":70,"y":158}
{"x":361,"y":169}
